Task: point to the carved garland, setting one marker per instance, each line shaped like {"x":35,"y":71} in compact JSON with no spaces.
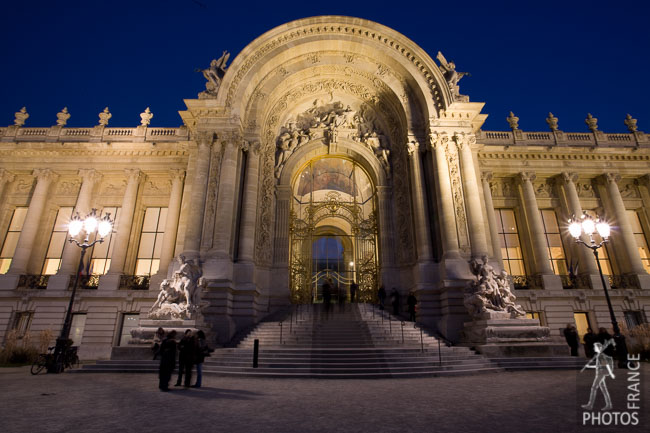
{"x":307,"y":31}
{"x":451,"y":151}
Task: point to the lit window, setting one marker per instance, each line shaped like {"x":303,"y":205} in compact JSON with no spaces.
{"x":582,"y":323}
{"x":129,"y":321}
{"x":153,"y":229}
{"x":513,"y":260}
{"x":603,"y":253}
{"x":57,"y":242}
{"x":77,"y":328}
{"x":11,"y":240}
{"x":554,"y":242}
{"x":639,"y":236}
{"x":102,"y":252}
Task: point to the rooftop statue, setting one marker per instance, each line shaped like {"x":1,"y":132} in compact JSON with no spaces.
{"x":146,"y":117}
{"x":214,"y":74}
{"x":62,"y":117}
{"x":452,"y":76}
{"x":20,"y":117}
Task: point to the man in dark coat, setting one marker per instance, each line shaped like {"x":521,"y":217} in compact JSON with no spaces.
{"x":572,"y":339}
{"x":411,"y":301}
{"x":589,"y":339}
{"x":186,"y":352}
{"x":602,"y":337}
{"x":353,"y":292}
{"x":381,"y":295}
{"x":167,"y":354}
{"x":395,"y":295}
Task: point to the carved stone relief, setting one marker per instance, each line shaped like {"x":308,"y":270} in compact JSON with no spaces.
{"x":451,"y":151}
{"x":585,"y":189}
{"x":68,"y":187}
{"x":629,"y":190}
{"x":216,"y":156}
{"x":543,"y":189}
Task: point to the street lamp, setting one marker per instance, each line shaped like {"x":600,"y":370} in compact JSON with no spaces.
{"x":588,"y":225}
{"x":89,"y":225}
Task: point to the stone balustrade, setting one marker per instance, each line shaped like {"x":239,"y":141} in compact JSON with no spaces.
{"x":97,"y":133}
{"x":560,"y":138}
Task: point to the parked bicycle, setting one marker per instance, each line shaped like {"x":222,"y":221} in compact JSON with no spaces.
{"x":45,"y":361}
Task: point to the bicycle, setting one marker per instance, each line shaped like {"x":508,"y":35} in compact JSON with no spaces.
{"x":46,"y":360}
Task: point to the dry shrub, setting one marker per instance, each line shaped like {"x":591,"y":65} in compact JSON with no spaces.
{"x":638,"y":340}
{"x":19,"y":351}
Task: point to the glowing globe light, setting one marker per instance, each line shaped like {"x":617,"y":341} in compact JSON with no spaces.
{"x":575,"y":229}
{"x":90,"y":224}
{"x":75,"y":226}
{"x":603,"y":229}
{"x":588,"y":225}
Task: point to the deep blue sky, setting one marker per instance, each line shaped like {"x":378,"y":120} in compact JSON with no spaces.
{"x":530,"y":57}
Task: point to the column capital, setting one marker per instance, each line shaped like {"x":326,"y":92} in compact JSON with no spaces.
{"x":133,"y":175}
{"x":644,"y":180}
{"x":203,"y":138}
{"x":412,"y":147}
{"x":438,"y":139}
{"x":6,"y":176}
{"x":233,"y":138}
{"x":177,"y":175}
{"x":568,"y":177}
{"x":250,"y":146}
{"x":608,"y":178}
{"x":486,"y":176}
{"x":45,"y":175}
{"x":464,"y":140}
{"x":90,"y":175}
{"x":527,"y":176}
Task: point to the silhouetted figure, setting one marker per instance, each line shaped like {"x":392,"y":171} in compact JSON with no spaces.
{"x":395,"y":303}
{"x":589,"y":339}
{"x":353,"y":292}
{"x":571,"y":337}
{"x":327,"y":296}
{"x":158,"y":338}
{"x":167,"y":360}
{"x":341,"y":293}
{"x":603,"y":337}
{"x":186,"y":352}
{"x":202,"y":350}
{"x":381,"y":295}
{"x":411,"y":301}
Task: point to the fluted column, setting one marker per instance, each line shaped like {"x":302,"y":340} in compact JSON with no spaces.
{"x":249,"y":212}
{"x":171,"y":225}
{"x":632,"y":263}
{"x":486,"y":177}
{"x":5,"y":178}
{"x":587,"y":260}
{"x":445,"y":198}
{"x":536,"y":228}
{"x":32,"y":224}
{"x":477,"y":237}
{"x":123,"y":227}
{"x":422,"y":228}
{"x":70,"y":258}
{"x":192,"y":242}
{"x":226,"y":200}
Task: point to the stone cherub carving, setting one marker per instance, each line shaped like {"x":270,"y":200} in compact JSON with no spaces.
{"x":452,"y":76}
{"x":287,"y":143}
{"x":214,"y":74}
{"x":179,"y":297}
{"x":490,"y":291}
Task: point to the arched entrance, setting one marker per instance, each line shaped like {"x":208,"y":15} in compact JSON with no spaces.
{"x":332,"y":229}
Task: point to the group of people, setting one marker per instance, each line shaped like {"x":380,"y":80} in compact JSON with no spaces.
{"x":192,"y":350}
{"x":573,"y":340}
{"x":411,"y":301}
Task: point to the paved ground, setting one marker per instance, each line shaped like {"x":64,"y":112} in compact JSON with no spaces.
{"x":534,"y":401}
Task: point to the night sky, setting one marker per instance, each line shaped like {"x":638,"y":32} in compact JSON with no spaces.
{"x":531,"y":57}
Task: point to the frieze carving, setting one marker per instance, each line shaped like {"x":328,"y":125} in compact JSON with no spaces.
{"x":543,"y":189}
{"x":290,"y":36}
{"x":451,"y":151}
{"x":585,"y":189}
{"x":23,"y":185}
{"x":68,"y":187}
{"x":629,"y":190}
{"x":6,"y":177}
{"x":216,"y":158}
{"x":157,"y":187}
{"x":114,"y":188}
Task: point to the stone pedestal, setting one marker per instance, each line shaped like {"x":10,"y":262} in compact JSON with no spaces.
{"x":495,"y":334}
{"x":145,"y":332}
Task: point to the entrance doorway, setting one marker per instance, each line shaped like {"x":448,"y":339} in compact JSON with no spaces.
{"x":333,"y":231}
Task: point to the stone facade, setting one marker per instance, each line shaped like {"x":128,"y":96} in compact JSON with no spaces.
{"x":323,"y":87}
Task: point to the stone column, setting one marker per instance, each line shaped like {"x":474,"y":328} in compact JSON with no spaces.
{"x":281,"y":242}
{"x":5,"y":178}
{"x":486,"y":177}
{"x":123,"y":227}
{"x":587,"y":260}
{"x":422,"y":227}
{"x":171,"y":225}
{"x":226,"y":199}
{"x":385,"y":237}
{"x":32,"y":224}
{"x":192,"y":242}
{"x":477,"y":237}
{"x":535,"y":226}
{"x":249,"y":210}
{"x":71,"y":253}
{"x":445,"y":198}
{"x":632,"y":263}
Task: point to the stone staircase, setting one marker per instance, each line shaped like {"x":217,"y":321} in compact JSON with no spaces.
{"x":359,"y":341}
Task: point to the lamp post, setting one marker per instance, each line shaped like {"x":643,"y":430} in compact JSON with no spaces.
{"x":89,"y":225}
{"x":587,"y":225}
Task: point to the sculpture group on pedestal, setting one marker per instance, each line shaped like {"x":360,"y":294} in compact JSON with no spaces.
{"x":180,"y":296}
{"x":490,"y":292}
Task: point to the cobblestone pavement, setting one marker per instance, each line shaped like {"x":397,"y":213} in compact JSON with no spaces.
{"x":532,"y":401}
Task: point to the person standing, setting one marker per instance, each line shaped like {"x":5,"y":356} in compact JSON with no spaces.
{"x":186,"y":352}
{"x":353,"y":292}
{"x":589,"y":338}
{"x":411,"y":301}
{"x":381,"y":295}
{"x":327,"y":296}
{"x":395,"y":295}
{"x":202,"y":350}
{"x":158,"y":338}
{"x":167,"y":360}
{"x":572,"y":339}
